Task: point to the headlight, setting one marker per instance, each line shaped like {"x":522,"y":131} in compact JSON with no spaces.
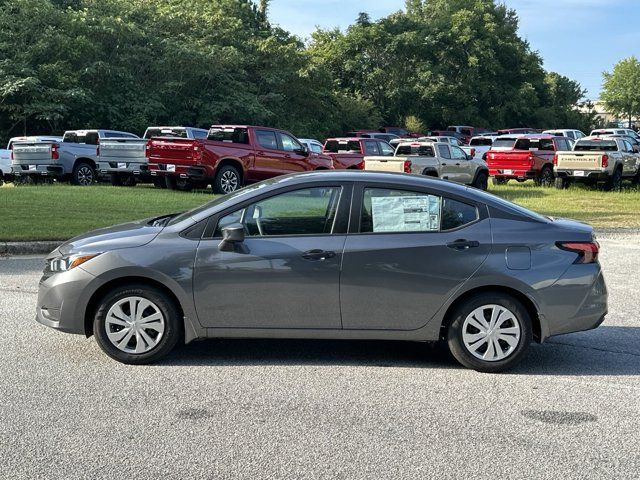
{"x":62,"y":264}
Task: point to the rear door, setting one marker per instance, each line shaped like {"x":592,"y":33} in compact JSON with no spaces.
{"x":630,"y":159}
{"x":408,"y":251}
{"x":447,"y":164}
{"x":286,"y":272}
{"x":269,"y":156}
{"x":464,"y":168}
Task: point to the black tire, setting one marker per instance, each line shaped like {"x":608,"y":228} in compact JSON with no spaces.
{"x":499,"y":181}
{"x":159,"y":182}
{"x":561,"y":183}
{"x":481,"y":181}
{"x":636,"y":179}
{"x":546,"y":177}
{"x":25,"y":180}
{"x":83,"y":174}
{"x":116,"y":180}
{"x":128,"y":180}
{"x":228,"y":179}
{"x":171,"y":335}
{"x":184,"y":184}
{"x":614,"y":182}
{"x":455,"y":334}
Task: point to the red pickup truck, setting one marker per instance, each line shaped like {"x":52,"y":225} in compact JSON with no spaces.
{"x":230,"y":157}
{"x":530,"y":158}
{"x":349,"y":152}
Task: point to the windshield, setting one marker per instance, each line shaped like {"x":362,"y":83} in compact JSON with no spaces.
{"x":421,"y":150}
{"x":596,"y":146}
{"x":534,"y":144}
{"x":480,"y":142}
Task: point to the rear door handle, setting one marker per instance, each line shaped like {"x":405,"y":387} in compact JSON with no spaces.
{"x":259,"y":152}
{"x":463,"y":244}
{"x":318,"y":255}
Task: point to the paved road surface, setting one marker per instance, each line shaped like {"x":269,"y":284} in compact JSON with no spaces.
{"x":319,"y":409}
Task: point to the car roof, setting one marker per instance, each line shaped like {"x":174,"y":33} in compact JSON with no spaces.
{"x":348,"y":139}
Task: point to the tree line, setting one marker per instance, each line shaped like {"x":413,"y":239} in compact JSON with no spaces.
{"x":128,"y":64}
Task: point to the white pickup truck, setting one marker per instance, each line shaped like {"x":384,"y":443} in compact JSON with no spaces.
{"x":597,"y":159}
{"x":434,"y":159}
{"x":5,"y":154}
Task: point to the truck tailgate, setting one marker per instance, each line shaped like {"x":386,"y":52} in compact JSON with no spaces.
{"x":123,"y":150}
{"x":384,"y":164}
{"x":33,"y":153}
{"x":580,"y":161}
{"x":176,"y":151}
{"x":514,"y":159}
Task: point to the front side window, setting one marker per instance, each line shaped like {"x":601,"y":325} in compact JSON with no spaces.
{"x":385,"y":149}
{"x":200,"y":133}
{"x":398,"y":211}
{"x":310,"y":211}
{"x":315,"y":148}
{"x":267,"y":139}
{"x":289,"y":144}
{"x":458,"y":153}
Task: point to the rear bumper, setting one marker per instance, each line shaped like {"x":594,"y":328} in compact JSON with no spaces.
{"x":181,"y":171}
{"x":597,"y":175}
{"x":520,"y":174}
{"x":133,"y":168}
{"x":47,"y":170}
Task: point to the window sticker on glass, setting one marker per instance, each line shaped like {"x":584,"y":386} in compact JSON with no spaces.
{"x":420,"y":213}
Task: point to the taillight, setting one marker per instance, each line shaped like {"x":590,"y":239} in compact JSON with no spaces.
{"x":147,"y":149}
{"x":360,"y":166}
{"x":55,"y":155}
{"x":473,"y":152}
{"x":555,"y":159}
{"x":605,"y":161}
{"x":407,"y":166}
{"x":531,"y":159}
{"x":197,"y":153}
{"x":587,"y":251}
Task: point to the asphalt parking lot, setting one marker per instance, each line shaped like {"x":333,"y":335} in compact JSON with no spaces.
{"x":320,"y":409}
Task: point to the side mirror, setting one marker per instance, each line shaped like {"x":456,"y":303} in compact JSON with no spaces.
{"x":231,"y":235}
{"x":469,"y":157}
{"x":636,"y":149}
{"x":302,"y":151}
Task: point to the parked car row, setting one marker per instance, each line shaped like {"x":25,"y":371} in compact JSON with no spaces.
{"x":230,"y":156}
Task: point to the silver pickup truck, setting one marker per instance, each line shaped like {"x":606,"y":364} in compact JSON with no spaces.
{"x":597,"y":159}
{"x":124,"y":160}
{"x":74,"y":159}
{"x":434,"y":159}
{"x":5,"y":154}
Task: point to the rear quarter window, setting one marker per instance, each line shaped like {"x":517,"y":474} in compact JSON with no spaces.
{"x":229,"y":135}
{"x":481,"y":142}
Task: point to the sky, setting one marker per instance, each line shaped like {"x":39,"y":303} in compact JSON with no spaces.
{"x":577,"y":38}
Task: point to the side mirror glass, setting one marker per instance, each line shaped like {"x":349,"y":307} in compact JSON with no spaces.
{"x":302,"y":151}
{"x":231,"y":235}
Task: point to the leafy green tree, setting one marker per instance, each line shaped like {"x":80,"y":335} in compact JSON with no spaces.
{"x":621,"y":88}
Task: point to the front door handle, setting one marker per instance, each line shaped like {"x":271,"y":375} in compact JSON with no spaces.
{"x":318,"y":255}
{"x":463,"y":244}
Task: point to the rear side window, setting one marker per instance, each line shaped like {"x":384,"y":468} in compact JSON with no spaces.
{"x":89,"y":138}
{"x":504,"y":142}
{"x":267,"y":139}
{"x":420,"y":150}
{"x":229,"y":135}
{"x":596,"y":145}
{"x":371,"y":148}
{"x":444,"y":152}
{"x":199,"y":133}
{"x":480,"y":142}
{"x":398,"y":211}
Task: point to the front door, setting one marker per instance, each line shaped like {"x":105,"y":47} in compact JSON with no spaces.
{"x":286,"y":272}
{"x":268,"y":155}
{"x":293,"y":160}
{"x":412,"y":251}
{"x":463,"y":167}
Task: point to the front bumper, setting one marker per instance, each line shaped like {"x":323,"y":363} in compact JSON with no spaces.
{"x":47,"y":170}
{"x":61,"y":300}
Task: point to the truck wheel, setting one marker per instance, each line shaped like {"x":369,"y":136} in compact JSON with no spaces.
{"x":170,"y":182}
{"x":561,"y":183}
{"x":227,"y":180}
{"x":615,"y":181}
{"x":159,"y":182}
{"x":184,"y":185}
{"x":499,"y":181}
{"x":636,"y":179}
{"x":83,"y":174}
{"x":545,"y":179}
{"x":482,"y":181}
{"x":116,"y":181}
{"x":128,"y":181}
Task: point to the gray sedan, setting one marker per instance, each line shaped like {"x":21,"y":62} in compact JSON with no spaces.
{"x":339,"y":255}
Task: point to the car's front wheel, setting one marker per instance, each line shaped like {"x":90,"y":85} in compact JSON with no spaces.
{"x":490,"y":332}
{"x":137,"y":324}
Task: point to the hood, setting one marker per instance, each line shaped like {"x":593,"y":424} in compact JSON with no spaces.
{"x":126,"y":235}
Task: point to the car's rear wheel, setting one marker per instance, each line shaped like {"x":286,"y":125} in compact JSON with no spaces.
{"x":482,"y":181}
{"x":83,"y":174}
{"x":159,"y":182}
{"x":227,"y":180}
{"x":546,"y":178}
{"x":499,"y":181}
{"x":615,"y":181}
{"x":490,"y":332}
{"x":561,"y":183}
{"x":137,"y":324}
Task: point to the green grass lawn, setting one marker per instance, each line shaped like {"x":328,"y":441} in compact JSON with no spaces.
{"x":59,"y":211}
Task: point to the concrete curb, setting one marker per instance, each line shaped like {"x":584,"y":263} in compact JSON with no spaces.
{"x":29,"y":248}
